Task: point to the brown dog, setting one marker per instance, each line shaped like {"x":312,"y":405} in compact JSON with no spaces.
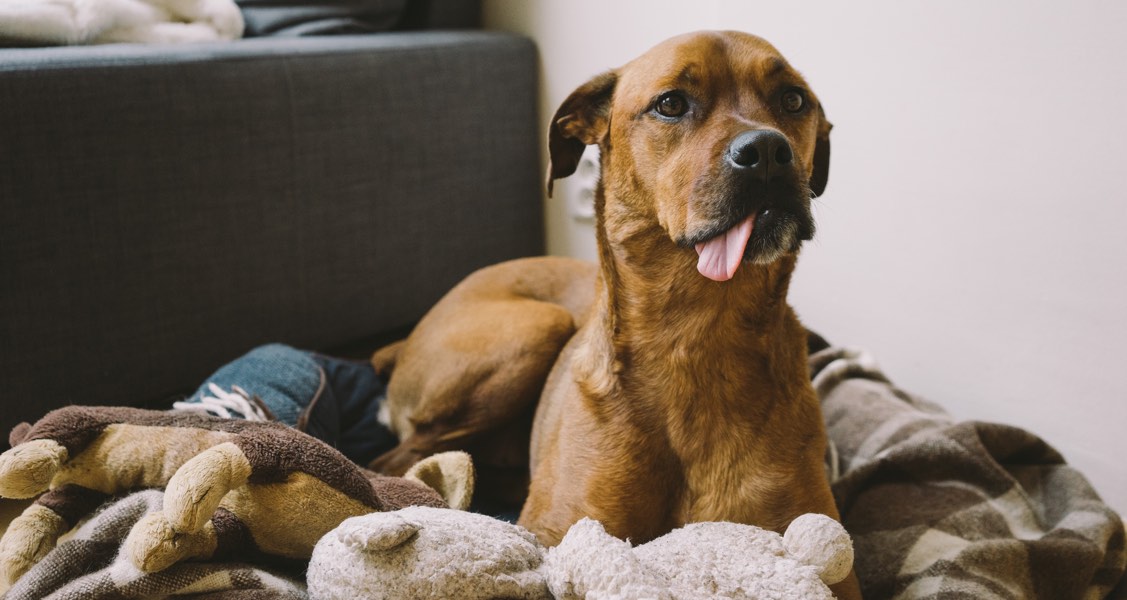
{"x":684,"y":393}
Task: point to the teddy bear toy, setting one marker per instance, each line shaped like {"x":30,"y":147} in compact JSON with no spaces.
{"x":421,"y":552}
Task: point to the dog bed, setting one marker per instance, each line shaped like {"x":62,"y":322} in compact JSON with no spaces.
{"x":936,"y":508}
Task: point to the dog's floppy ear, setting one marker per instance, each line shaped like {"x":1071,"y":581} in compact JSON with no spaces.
{"x":582,"y":119}
{"x":821,"y":174}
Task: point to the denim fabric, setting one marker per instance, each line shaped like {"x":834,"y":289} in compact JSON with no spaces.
{"x":284,"y":378}
{"x":355,"y":394}
{"x":332,"y":399}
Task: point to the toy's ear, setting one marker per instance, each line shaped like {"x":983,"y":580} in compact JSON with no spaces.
{"x":820,"y":542}
{"x":821,"y":175}
{"x":583,"y":119}
{"x":384,"y":533}
{"x":18,"y":434}
{"x":451,"y":474}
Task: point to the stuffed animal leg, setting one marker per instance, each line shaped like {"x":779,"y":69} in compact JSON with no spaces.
{"x":263,"y":497}
{"x":81,"y":455}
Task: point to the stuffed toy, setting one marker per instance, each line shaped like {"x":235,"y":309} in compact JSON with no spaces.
{"x":703,"y":560}
{"x":422,"y":552}
{"x":249,"y":490}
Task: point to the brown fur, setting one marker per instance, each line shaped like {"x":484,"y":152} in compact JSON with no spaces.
{"x":470,"y":373}
{"x":679,"y":398}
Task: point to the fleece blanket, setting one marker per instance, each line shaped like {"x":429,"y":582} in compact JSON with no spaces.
{"x":940,"y":509}
{"x":936,"y":508}
{"x":74,"y":22}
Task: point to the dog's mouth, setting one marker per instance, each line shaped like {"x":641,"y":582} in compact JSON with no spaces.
{"x":720,"y":256}
{"x":760,"y":238}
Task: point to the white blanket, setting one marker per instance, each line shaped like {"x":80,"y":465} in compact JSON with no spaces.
{"x":74,"y":22}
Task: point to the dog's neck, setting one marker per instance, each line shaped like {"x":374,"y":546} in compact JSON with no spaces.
{"x":741,"y":330}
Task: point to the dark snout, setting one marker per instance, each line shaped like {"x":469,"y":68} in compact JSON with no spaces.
{"x":761,"y":154}
{"x":759,"y":176}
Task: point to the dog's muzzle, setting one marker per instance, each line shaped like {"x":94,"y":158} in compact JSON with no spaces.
{"x":761,"y":154}
{"x":769,"y":211}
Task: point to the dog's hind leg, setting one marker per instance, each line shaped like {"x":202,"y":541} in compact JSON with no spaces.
{"x":470,"y":374}
{"x":476,"y":375}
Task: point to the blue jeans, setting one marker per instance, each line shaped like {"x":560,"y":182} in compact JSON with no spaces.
{"x":332,"y":399}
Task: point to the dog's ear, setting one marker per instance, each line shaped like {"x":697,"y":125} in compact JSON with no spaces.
{"x":821,"y":174}
{"x":582,"y":119}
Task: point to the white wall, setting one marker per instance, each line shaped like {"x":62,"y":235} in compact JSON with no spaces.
{"x":974,"y":232}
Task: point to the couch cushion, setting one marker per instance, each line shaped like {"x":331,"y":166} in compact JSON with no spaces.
{"x":163,"y":209}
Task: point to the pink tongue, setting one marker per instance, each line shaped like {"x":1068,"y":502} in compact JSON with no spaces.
{"x":721,"y":256}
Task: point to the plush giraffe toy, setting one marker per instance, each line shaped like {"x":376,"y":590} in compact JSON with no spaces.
{"x":233,"y":488}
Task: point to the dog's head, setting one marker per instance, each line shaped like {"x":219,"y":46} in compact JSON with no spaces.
{"x":711,"y":135}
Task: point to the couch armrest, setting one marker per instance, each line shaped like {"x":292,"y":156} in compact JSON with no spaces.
{"x":164,"y":209}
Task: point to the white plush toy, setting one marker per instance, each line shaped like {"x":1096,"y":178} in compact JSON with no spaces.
{"x":439,"y":553}
{"x":73,"y":22}
{"x":421,"y":552}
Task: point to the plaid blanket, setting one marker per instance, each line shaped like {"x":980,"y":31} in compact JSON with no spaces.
{"x":89,"y":566}
{"x":939,"y":509}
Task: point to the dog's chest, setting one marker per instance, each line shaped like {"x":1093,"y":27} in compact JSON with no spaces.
{"x":726,"y":479}
{"x":736,"y":462}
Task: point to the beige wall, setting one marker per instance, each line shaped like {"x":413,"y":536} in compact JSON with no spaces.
{"x":974,"y":232}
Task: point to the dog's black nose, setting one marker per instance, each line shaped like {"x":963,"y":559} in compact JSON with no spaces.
{"x":763,"y":153}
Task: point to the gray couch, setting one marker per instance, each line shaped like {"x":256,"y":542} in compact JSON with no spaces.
{"x":163,"y":209}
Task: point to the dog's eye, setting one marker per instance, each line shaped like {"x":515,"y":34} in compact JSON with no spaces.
{"x":672,"y":105}
{"x":793,"y":101}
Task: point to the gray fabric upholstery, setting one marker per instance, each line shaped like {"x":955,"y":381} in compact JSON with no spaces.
{"x":440,"y":14}
{"x":164,"y":209}
{"x":318,"y":17}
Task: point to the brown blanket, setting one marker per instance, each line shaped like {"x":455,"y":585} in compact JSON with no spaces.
{"x":940,"y":509}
